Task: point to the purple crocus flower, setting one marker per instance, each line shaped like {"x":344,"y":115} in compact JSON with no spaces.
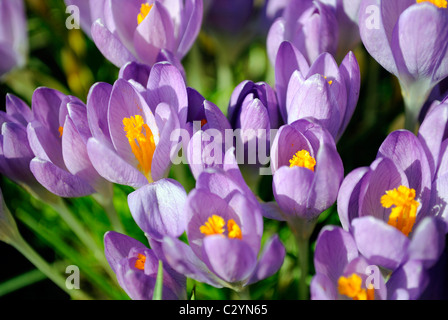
{"x":253,"y":111}
{"x":408,"y":38}
{"x":224,"y":229}
{"x":15,"y":151}
{"x":13,"y":35}
{"x":307,"y":172}
{"x":132,"y":125}
{"x":57,"y":133}
{"x":310,"y":26}
{"x":206,"y":129}
{"x":136,"y":268}
{"x":387,"y":207}
{"x":324,"y":91}
{"x":140,"y":30}
{"x":341,"y":272}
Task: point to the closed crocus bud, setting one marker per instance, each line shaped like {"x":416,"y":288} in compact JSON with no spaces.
{"x":307,"y":172}
{"x":224,"y":229}
{"x":58,"y":135}
{"x":347,"y":12}
{"x":132,"y":126}
{"x":408,"y":38}
{"x":206,"y":129}
{"x":323,"y":91}
{"x":253,"y":112}
{"x":136,"y":268}
{"x":139,"y":30}
{"x":309,"y":25}
{"x":15,"y":151}
{"x":13,"y":35}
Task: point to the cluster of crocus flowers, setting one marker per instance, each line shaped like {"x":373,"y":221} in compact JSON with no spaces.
{"x":141,"y":31}
{"x":408,"y":38}
{"x":13,"y":35}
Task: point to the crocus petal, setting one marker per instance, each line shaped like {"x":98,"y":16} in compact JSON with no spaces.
{"x":380,"y":243}
{"x":19,"y":110}
{"x":109,"y":45}
{"x":46,"y":103}
{"x":166,"y":84}
{"x":382,"y":176}
{"x":322,"y":288}
{"x":422,"y":54}
{"x":408,"y":281}
{"x":97,"y":104}
{"x":291,"y":196}
{"x":335,"y":248}
{"x":232,"y":260}
{"x":113,"y":168}
{"x":270,"y":261}
{"x":147,"y":42}
{"x":158,"y":208}
{"x":191,"y":27}
{"x":8,"y":58}
{"x":348,"y":196}
{"x":136,"y":72}
{"x":182,"y":259}
{"x":117,"y":247}
{"x":428,"y":241}
{"x":59,"y":181}
{"x":288,"y":60}
{"x":376,"y":38}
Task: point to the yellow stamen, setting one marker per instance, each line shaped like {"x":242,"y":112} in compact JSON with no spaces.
{"x":143,"y":146}
{"x":214,"y":225}
{"x":144,"y":11}
{"x":61,"y":130}
{"x":404,"y":213}
{"x":352,"y":288}
{"x":234,"y":230}
{"x":329,"y":82}
{"x":437,"y":3}
{"x":140,"y":263}
{"x":302,"y":159}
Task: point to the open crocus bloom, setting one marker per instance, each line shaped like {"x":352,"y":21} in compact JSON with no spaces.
{"x":408,"y":38}
{"x":136,"y":268}
{"x":324,"y":91}
{"x":341,"y":272}
{"x":132,"y":126}
{"x":224,"y":229}
{"x":307,"y":171}
{"x":57,"y":135}
{"x":13,"y":35}
{"x":139,"y":30}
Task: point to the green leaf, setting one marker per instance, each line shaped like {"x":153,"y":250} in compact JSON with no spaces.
{"x":159,"y":283}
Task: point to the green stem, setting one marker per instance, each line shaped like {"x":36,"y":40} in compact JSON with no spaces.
{"x":107,"y":203}
{"x":303,"y":247}
{"x":79,"y":230}
{"x":46,"y":269}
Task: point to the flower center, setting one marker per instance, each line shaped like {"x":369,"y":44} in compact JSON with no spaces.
{"x":352,"y":288}
{"x":140,"y":263}
{"x":437,"y":3}
{"x":61,"y":131}
{"x":215,"y":225}
{"x":329,"y":82}
{"x":302,"y":159}
{"x":404,"y":213}
{"x":143,"y":146}
{"x":144,"y":11}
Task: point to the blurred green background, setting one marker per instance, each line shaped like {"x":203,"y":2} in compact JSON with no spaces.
{"x":68,"y":60}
